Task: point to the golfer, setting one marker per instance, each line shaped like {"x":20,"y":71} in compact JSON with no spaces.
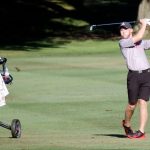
{"x":138,"y":79}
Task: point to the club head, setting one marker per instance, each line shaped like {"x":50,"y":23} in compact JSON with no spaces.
{"x":91,"y":27}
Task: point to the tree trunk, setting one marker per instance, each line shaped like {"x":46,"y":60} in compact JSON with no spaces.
{"x":144,"y":12}
{"x":144,"y":9}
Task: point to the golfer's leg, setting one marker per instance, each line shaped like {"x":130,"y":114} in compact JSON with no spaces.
{"x":143,"y":114}
{"x":128,"y":114}
{"x":133,"y":89}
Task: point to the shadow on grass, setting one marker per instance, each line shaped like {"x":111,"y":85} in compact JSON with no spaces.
{"x":112,"y":135}
{"x":53,"y":39}
{"x":32,"y":45}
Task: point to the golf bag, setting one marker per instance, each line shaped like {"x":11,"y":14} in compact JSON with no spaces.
{"x":4,"y":72}
{"x":6,"y":78}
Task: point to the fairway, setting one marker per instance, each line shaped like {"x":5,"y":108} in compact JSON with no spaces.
{"x":69,"y":102}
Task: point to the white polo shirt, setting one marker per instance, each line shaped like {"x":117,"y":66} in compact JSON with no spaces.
{"x":134,"y":53}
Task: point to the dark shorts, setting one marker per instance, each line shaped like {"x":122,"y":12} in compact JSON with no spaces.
{"x":138,"y":85}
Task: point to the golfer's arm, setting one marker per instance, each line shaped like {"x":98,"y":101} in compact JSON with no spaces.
{"x":140,"y":34}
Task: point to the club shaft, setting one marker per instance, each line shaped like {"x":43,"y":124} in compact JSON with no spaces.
{"x":108,"y":24}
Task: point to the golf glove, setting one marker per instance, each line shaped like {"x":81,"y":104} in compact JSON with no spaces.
{"x":148,"y":21}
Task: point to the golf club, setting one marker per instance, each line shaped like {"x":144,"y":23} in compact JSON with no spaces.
{"x":4,"y":72}
{"x":114,"y":23}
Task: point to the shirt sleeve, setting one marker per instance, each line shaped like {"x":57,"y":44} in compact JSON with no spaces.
{"x":126,"y":43}
{"x":146,"y":44}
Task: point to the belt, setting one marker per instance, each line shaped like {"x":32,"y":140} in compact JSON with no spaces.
{"x":140,"y":71}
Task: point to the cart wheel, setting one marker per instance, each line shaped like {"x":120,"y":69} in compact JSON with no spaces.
{"x":16,"y":128}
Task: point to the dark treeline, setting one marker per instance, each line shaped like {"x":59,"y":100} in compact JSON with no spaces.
{"x":28,"y":20}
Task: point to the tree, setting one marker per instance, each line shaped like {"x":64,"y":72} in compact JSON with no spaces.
{"x":144,"y":12}
{"x":28,"y":20}
{"x":144,"y":9}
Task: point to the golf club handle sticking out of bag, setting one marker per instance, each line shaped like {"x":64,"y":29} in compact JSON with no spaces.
{"x":4,"y":72}
{"x":115,"y":23}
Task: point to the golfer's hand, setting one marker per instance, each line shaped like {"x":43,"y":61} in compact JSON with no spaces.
{"x":140,"y":34}
{"x":143,"y":22}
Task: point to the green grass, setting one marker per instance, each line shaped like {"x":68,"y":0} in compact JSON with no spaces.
{"x":61,"y":47}
{"x":69,"y":102}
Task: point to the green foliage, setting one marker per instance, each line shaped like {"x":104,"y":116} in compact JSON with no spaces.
{"x":40,"y":19}
{"x":71,"y":21}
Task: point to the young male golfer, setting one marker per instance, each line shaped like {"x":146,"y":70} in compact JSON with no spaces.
{"x":138,"y":79}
